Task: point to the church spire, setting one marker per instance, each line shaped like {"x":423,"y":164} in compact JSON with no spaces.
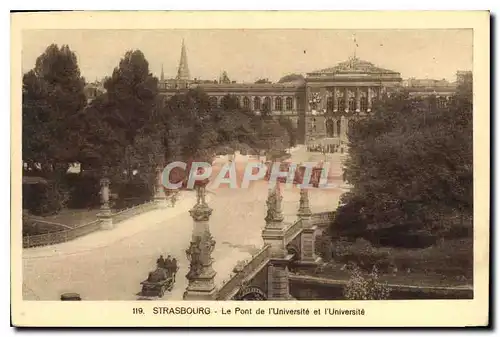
{"x":162,"y":75}
{"x":183,"y":70}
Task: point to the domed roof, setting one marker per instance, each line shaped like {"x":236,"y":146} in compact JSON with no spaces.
{"x":354,"y":65}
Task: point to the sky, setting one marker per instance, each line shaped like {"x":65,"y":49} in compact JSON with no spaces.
{"x":248,"y":55}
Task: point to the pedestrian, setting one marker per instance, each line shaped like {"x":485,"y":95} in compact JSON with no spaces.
{"x":168,"y":262}
{"x":160,"y":262}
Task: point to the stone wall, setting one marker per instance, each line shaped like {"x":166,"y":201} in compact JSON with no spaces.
{"x":314,"y":289}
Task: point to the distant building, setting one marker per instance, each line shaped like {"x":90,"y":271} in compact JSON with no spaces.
{"x":323,"y":104}
{"x":92,"y":90}
{"x":464,"y":77}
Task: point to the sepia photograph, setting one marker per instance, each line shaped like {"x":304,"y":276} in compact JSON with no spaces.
{"x":188,"y":164}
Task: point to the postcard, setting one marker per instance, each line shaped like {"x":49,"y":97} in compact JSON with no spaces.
{"x":331,"y":166}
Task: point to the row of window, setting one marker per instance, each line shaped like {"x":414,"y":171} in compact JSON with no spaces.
{"x":279,"y":103}
{"x":261,"y":104}
{"x":363,"y":102}
{"x":332,"y":128}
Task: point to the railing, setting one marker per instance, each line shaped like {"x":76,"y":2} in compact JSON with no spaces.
{"x":132,"y":211}
{"x":323,"y":219}
{"x":292,"y":231}
{"x":231,"y":287}
{"x":73,"y":233}
{"x":60,"y":236}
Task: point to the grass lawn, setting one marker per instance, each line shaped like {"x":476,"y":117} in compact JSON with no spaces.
{"x":447,"y":263}
{"x":65,"y":219}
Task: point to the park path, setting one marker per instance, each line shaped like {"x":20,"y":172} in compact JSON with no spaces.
{"x":109,"y":265}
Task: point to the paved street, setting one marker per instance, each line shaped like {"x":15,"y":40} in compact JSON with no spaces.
{"x":109,"y":265}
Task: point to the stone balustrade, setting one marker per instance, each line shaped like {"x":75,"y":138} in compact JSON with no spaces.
{"x":248,"y":271}
{"x":292,"y":231}
{"x":76,"y":232}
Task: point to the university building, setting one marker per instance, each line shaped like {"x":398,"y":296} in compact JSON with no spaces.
{"x":323,"y":104}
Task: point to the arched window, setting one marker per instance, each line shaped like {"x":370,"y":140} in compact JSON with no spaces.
{"x":289,"y":104}
{"x":338,"y":127}
{"x":313,"y":124}
{"x":364,"y":103}
{"x":213,"y":102}
{"x":278,"y":104}
{"x":329,"y":128}
{"x":267,"y":104}
{"x":256,"y":103}
{"x":227,"y":102}
{"x":441,"y":102}
{"x":341,"y":104}
{"x":352,"y":104}
{"x":329,"y":104}
{"x":246,"y":103}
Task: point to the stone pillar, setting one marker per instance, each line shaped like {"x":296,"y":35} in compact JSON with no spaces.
{"x":159,"y":197}
{"x":274,"y":235}
{"x":251,"y":103}
{"x":346,"y":99}
{"x":308,"y":98}
{"x":358,"y":99}
{"x":323,"y":96}
{"x":343,"y":128}
{"x":308,"y":234}
{"x":278,"y":287}
{"x":335,"y":100}
{"x":201,"y":275}
{"x":369,"y":98}
{"x":105,"y":215}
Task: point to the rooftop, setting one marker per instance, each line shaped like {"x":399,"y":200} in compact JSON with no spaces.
{"x":354,"y":65}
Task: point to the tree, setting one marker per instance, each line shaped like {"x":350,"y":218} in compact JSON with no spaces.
{"x":291,"y":78}
{"x":101,"y":146}
{"x":53,"y":96}
{"x":291,"y":130}
{"x":190,"y":126}
{"x":131,"y":103}
{"x":410,"y":165}
{"x":132,"y":92}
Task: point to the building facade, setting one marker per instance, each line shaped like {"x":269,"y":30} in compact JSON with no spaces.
{"x":322,"y":105}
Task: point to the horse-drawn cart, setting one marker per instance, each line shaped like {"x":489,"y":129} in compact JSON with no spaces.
{"x":158,"y":282}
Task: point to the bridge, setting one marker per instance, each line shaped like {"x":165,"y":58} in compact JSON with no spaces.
{"x":266,"y":275}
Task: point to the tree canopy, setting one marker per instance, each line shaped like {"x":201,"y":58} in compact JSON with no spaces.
{"x":53,"y":96}
{"x":128,"y":131}
{"x":410,"y":165}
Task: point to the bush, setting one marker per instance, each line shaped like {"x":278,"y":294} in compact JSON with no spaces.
{"x":324,"y":247}
{"x":44,"y":199}
{"x":447,"y":258}
{"x":132,"y":193}
{"x":84,"y":191}
{"x":363,"y":254}
{"x":362,"y":286}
